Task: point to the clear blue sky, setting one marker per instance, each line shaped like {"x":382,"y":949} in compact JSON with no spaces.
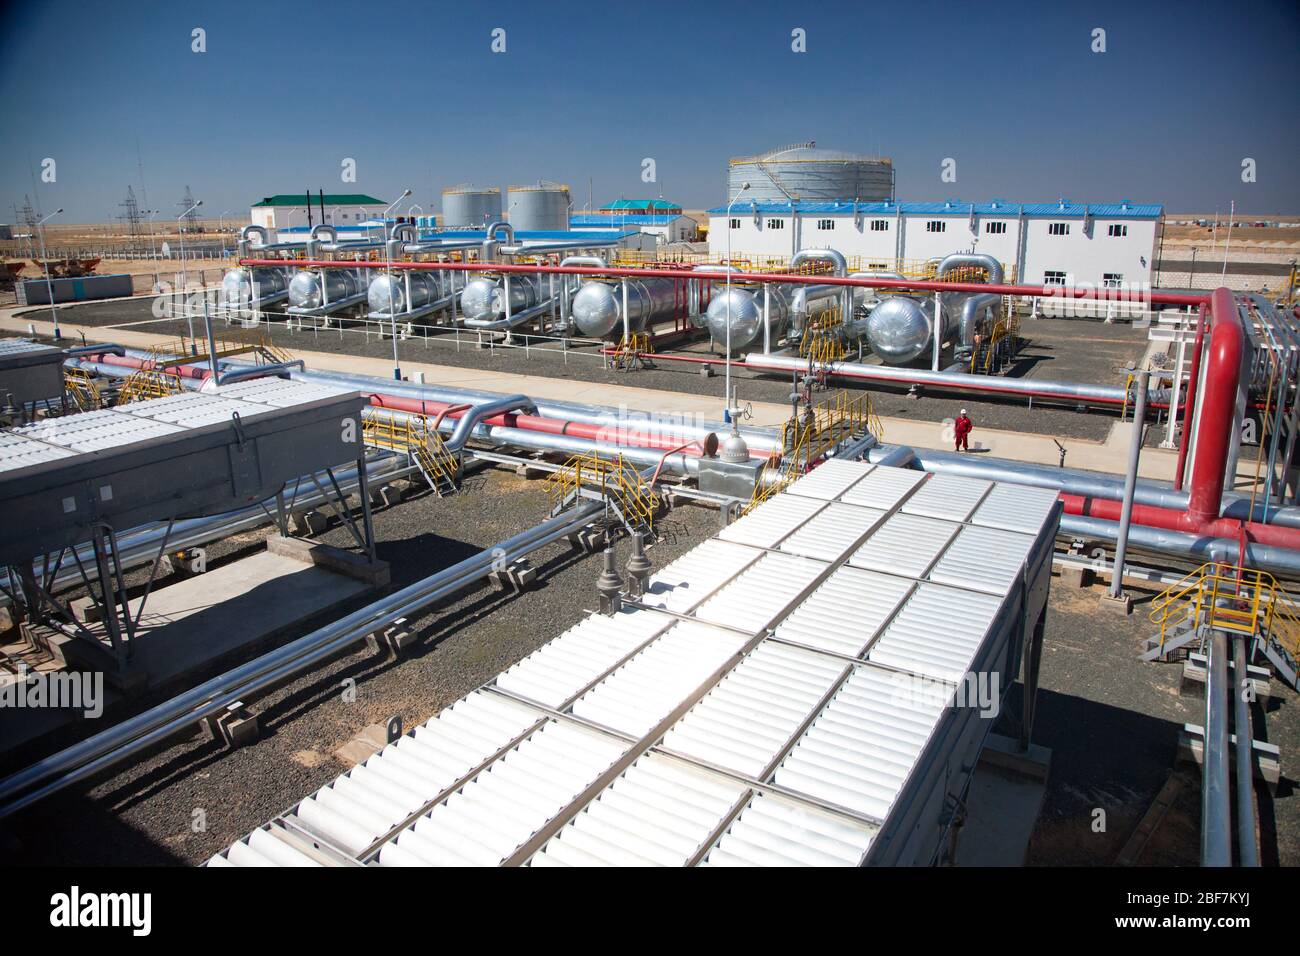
{"x":414,"y":94}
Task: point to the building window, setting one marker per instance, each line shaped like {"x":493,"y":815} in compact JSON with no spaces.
{"x":880,"y":225}
{"x":995,"y":228}
{"x":936,"y":225}
{"x":1058,"y":228}
{"x":776,"y":224}
{"x":345,"y":215}
{"x":1112,"y":280}
{"x":1117,"y":230}
{"x":1053,"y":278}
{"x":825,"y":223}
{"x":735,"y":223}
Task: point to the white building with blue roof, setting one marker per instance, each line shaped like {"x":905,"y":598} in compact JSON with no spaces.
{"x":1059,"y":243}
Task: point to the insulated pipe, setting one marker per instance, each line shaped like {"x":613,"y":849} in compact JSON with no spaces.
{"x":467,"y":422}
{"x":245,"y":244}
{"x":1197,"y":548}
{"x":841,"y":269}
{"x":970,"y":310}
{"x":1073,"y":392}
{"x":117,"y":743}
{"x":1247,"y":845}
{"x":488,"y":249}
{"x":1218,"y":410}
{"x":1130,"y":485}
{"x":1216,"y":829}
{"x":314,"y":241}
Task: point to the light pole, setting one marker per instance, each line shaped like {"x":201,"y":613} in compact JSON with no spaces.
{"x":49,"y":285}
{"x":392,"y":298}
{"x":726,"y":402}
{"x":185,"y":275}
{"x":222,"y":229}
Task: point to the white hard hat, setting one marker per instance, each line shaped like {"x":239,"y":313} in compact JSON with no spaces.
{"x":963,"y":411}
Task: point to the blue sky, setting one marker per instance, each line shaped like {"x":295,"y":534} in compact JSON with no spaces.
{"x":584,"y":92}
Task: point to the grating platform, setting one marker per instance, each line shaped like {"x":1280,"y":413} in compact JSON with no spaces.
{"x":787,"y":694}
{"x":183,"y":455}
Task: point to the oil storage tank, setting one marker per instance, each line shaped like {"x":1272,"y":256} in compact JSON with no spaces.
{"x":540,"y":207}
{"x":470,"y":206}
{"x":805,"y":173}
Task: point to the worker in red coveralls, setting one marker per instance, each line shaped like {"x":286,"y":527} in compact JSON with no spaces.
{"x":961,"y":428}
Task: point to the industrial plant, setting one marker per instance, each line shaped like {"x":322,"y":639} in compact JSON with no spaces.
{"x":538,"y":522}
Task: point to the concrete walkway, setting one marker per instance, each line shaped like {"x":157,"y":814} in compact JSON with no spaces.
{"x":1109,"y":456}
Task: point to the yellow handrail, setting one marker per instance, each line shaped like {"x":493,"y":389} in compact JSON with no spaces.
{"x":617,"y":481}
{"x":1231,"y":598}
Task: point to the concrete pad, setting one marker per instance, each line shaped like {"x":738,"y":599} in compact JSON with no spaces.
{"x":1001,"y":809}
{"x":374,"y":573}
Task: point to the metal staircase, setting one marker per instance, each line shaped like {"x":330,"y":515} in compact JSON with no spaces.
{"x":613,"y":481}
{"x":415,"y":437}
{"x":1223,"y":597}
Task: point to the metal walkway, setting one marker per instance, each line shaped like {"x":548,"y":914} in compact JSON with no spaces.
{"x":786,"y":693}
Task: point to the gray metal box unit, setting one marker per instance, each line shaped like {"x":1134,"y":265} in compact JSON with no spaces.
{"x":81,"y":289}
{"x":29,"y":371}
{"x":181,"y":456}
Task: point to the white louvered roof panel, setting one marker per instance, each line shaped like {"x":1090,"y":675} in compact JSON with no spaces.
{"x":985,"y":559}
{"x":904,"y":544}
{"x":885,"y":487}
{"x":832,"y":531}
{"x":762,"y":593}
{"x":937,"y":632}
{"x":951,"y":497}
{"x":658,"y":812}
{"x":772,"y":521}
{"x":558,"y":671}
{"x":697,"y":574}
{"x":773,"y":831}
{"x":1016,"y":508}
{"x":749,"y":717}
{"x":846,"y":611}
{"x":830,"y":480}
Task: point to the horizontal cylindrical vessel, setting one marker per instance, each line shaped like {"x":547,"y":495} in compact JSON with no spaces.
{"x":305,"y":289}
{"x":484,"y":298}
{"x":598,"y":306}
{"x":787,"y":306}
{"x":241,"y":286}
{"x":900,"y":327}
{"x":388,"y":293}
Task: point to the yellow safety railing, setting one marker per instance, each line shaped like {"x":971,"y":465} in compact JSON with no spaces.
{"x":147,"y":383}
{"x":618,"y":482}
{"x":82,"y":389}
{"x":185,"y":350}
{"x":1230,"y":598}
{"x":822,"y":340}
{"x":809,"y":437}
{"x":414,"y":435}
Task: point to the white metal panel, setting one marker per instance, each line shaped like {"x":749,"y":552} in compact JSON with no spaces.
{"x":985,"y":559}
{"x":749,"y":716}
{"x":884,"y":488}
{"x":19,"y":451}
{"x":659,"y":812}
{"x":1016,"y":508}
{"x":262,"y":848}
{"x":952,"y":497}
{"x":768,"y":524}
{"x":833,"y":531}
{"x":697,"y":574}
{"x":645,"y":690}
{"x":373,"y":797}
{"x":904,"y":544}
{"x":846,"y":611}
{"x":98,"y":430}
{"x":937,"y":632}
{"x":762,"y":593}
{"x":281,"y":392}
{"x":557,"y":671}
{"x":858,"y":752}
{"x":193,"y":409}
{"x":774,"y":831}
{"x":830,"y":479}
{"x":489,"y":818}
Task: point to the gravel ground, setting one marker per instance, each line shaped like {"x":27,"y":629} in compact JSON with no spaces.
{"x":1110,"y":720}
{"x":1057,"y":349}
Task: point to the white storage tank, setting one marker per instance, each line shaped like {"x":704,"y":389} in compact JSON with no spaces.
{"x":805,"y":173}
{"x":470,"y":206}
{"x":540,"y":207}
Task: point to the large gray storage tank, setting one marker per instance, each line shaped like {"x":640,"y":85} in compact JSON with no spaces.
{"x":469,"y":206}
{"x":804,"y":173}
{"x":540,"y":207}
